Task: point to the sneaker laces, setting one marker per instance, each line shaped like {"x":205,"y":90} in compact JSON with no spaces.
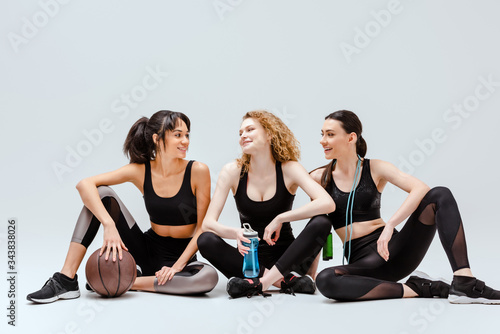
{"x":257,"y":292}
{"x":249,"y":289}
{"x":54,"y":285}
{"x":285,"y":284}
{"x":286,"y":289}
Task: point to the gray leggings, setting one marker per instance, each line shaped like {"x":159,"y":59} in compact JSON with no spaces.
{"x":196,"y":278}
{"x":150,"y":251}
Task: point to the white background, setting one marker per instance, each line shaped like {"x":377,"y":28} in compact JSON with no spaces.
{"x":67,"y":67}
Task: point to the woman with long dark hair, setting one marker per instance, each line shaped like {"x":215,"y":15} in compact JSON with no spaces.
{"x":176,"y":194}
{"x":264,"y":181}
{"x":377,"y":254}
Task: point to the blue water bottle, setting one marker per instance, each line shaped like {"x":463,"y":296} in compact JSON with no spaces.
{"x":251,"y":261}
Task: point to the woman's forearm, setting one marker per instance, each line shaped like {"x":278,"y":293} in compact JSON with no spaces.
{"x":222,"y":231}
{"x":91,"y":200}
{"x":409,"y":206}
{"x":316,"y":207}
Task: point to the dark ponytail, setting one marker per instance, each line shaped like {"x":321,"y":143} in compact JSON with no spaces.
{"x":361,"y":146}
{"x":350,"y":123}
{"x":139,"y":146}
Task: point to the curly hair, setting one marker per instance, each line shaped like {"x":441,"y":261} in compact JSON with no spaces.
{"x":284,"y":145}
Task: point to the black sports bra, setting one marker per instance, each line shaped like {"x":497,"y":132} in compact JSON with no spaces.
{"x":366,"y":200}
{"x":177,"y":210}
{"x":260,"y":213}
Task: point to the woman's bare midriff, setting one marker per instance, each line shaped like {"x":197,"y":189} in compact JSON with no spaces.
{"x":360,"y":229}
{"x":177,"y":232}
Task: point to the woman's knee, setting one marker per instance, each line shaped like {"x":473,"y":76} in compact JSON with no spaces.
{"x":206,"y":241}
{"x":320,"y":224}
{"x":209,"y":277}
{"x":326,"y":282}
{"x":441,"y":195}
{"x":324,"y":277}
{"x":106,"y":191}
{"x":205,"y":279}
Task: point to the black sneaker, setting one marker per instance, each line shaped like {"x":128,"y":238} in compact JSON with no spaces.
{"x":88,"y":287}
{"x":239,"y":287}
{"x":470,"y":290}
{"x":427,"y":287}
{"x":57,"y":287}
{"x":294,"y":283}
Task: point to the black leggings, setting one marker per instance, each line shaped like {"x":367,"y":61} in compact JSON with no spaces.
{"x":290,"y":255}
{"x":150,"y":250}
{"x":368,"y":276}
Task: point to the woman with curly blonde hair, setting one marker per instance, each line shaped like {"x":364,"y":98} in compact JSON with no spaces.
{"x":284,"y":145}
{"x":264,"y":182}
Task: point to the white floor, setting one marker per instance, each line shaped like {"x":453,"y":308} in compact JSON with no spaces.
{"x":216,"y":313}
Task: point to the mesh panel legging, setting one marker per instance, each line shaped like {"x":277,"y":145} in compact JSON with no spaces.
{"x":150,"y":251}
{"x":368,"y":276}
{"x":296,"y":255}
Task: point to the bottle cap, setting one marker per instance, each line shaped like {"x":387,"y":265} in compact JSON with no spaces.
{"x":248,"y":232}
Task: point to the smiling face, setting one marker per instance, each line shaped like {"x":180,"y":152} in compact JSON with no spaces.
{"x":176,"y":142}
{"x":335,"y":140}
{"x":253,"y":136}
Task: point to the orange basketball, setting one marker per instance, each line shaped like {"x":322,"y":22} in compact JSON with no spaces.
{"x":108,"y":278}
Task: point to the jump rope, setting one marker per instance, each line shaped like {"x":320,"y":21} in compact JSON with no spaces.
{"x":350,"y":204}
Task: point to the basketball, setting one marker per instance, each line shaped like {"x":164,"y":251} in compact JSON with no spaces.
{"x":108,"y":278}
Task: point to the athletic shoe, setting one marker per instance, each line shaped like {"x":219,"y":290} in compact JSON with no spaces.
{"x":294,"y":283}
{"x":470,"y":290}
{"x":239,"y":287}
{"x":88,"y":287}
{"x":427,"y":287}
{"x":57,"y":287}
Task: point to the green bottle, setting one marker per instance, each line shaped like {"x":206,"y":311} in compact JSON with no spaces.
{"x":328,"y":248}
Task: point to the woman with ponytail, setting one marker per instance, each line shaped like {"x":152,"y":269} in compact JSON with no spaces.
{"x":176,"y":194}
{"x":377,"y":254}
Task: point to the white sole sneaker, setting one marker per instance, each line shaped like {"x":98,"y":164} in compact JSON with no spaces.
{"x":66,"y":295}
{"x":456,"y":299}
{"x":470,"y":290}
{"x":421,"y":274}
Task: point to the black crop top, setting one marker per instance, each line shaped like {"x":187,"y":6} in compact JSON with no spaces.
{"x":260,"y":213}
{"x":366,"y":200}
{"x":177,"y":210}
